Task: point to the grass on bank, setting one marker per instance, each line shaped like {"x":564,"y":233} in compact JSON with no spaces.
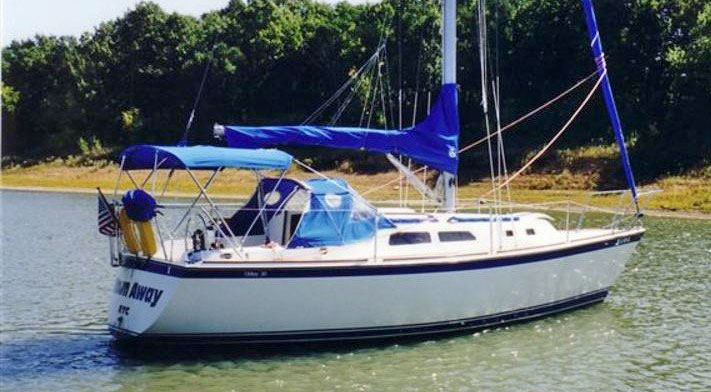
{"x":679,"y":193}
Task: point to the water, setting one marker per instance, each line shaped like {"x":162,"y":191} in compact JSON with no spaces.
{"x":652,"y":333}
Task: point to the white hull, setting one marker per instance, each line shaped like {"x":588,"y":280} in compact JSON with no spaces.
{"x":261,"y":303}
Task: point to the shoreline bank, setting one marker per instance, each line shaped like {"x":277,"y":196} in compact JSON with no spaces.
{"x":659,"y":213}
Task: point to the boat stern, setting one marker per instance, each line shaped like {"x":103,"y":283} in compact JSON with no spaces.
{"x":138,"y":298}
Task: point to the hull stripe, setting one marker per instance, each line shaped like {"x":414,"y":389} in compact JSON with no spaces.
{"x":375,"y":333}
{"x":239,"y":272}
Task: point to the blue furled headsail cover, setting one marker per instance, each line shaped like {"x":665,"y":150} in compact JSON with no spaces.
{"x":336,"y":216}
{"x":596,"y":45}
{"x":433,"y":142}
{"x":202,"y":157}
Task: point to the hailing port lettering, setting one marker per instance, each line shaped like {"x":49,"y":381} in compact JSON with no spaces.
{"x":138,"y":292}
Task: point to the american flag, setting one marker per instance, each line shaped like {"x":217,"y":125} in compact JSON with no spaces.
{"x":107,"y":222}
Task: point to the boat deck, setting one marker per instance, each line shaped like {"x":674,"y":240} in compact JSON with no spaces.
{"x":423,"y":239}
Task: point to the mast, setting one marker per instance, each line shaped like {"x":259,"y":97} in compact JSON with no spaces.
{"x":449,"y":75}
{"x":596,"y":46}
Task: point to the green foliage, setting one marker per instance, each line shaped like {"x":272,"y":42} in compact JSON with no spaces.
{"x":90,"y":147}
{"x":131,"y":119}
{"x":91,"y":153}
{"x":10,"y":98}
{"x":83,"y":146}
{"x":133,"y":79}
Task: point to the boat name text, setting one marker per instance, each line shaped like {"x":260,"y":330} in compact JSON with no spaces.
{"x":138,"y":292}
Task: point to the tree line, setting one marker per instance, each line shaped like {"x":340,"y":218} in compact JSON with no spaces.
{"x":134,"y":79}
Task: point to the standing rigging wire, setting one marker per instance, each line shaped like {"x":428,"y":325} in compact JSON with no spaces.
{"x":382,"y":59}
{"x":485,"y":107}
{"x":375,"y":92}
{"x":496,"y":90}
{"x":387,"y":91}
{"x":428,"y":88}
{"x":399,"y":62}
{"x":415,"y":104}
{"x":367,"y":75}
{"x":374,"y":85}
{"x":399,"y":87}
{"x":506,"y":127}
{"x":483,"y":64}
{"x":184,"y":139}
{"x":373,"y":59}
{"x":354,"y":89}
{"x":366,"y":72}
{"x":557,"y":135}
{"x":424,"y":171}
{"x":382,"y":92}
{"x":417,"y":82}
{"x":414,"y":107}
{"x":500,"y":139}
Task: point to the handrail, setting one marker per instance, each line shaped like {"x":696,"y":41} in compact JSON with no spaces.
{"x":622,"y":218}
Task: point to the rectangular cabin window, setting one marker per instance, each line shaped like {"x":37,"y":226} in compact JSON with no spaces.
{"x":450,"y":236}
{"x":530,"y":232}
{"x":509,"y":233}
{"x":410,"y":238}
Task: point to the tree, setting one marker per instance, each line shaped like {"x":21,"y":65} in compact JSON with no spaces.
{"x":134,"y":79}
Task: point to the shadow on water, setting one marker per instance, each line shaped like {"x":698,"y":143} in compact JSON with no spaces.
{"x":57,"y":353}
{"x":54,"y":353}
{"x":61,"y":353}
{"x":76,"y":358}
{"x":147,"y":352}
{"x":151,"y":352}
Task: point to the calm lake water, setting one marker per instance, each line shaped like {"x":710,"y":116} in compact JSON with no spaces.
{"x":652,"y":333}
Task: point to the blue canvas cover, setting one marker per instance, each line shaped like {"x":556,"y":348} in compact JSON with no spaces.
{"x":433,"y":142}
{"x":242,"y":219}
{"x":336,"y":216}
{"x":202,"y":158}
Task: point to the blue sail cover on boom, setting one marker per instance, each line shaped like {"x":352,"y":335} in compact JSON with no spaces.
{"x":433,"y":142}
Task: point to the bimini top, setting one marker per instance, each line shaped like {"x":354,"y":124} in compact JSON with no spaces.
{"x":202,"y":158}
{"x":433,"y":142}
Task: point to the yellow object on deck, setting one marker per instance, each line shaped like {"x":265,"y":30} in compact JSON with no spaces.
{"x":129,"y":232}
{"x":148,"y":238}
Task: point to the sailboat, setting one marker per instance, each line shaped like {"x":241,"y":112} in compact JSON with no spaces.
{"x":312,"y":260}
